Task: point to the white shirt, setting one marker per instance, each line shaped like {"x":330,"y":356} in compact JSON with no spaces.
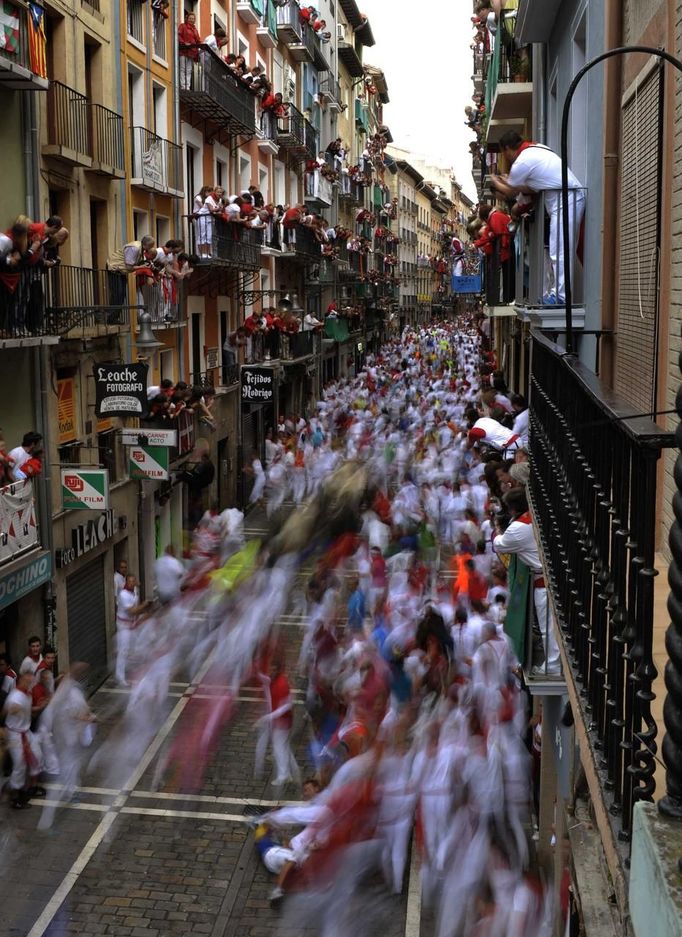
{"x":168,"y":572}
{"x":126,"y":601}
{"x":496,"y":435}
{"x":119,"y":583}
{"x":519,"y":538}
{"x":28,"y":665}
{"x":20,"y":457}
{"x":521,"y":426}
{"x":21,"y":721}
{"x":538,"y":168}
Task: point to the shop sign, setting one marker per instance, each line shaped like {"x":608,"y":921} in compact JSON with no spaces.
{"x":121,"y":389}
{"x":468,"y":284}
{"x":257,"y":385}
{"x":85,"y":489}
{"x":149,"y":437}
{"x":18,"y":583}
{"x":149,"y":462}
{"x":86,"y":537}
{"x":66,"y":411}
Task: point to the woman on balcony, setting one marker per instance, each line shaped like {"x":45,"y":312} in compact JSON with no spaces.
{"x":189,"y":41}
{"x":204,"y":210}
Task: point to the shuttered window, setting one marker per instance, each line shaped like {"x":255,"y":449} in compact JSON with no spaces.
{"x":639,"y":243}
{"x":87,"y":618}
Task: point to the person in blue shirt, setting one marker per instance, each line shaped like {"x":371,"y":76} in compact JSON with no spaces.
{"x":356,"y":607}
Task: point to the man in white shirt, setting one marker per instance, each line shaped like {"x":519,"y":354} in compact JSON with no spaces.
{"x":520,"y":409}
{"x":128,"y":607}
{"x":216,"y":40}
{"x":519,"y":538}
{"x":169,"y":573}
{"x":22,"y":744}
{"x":493,"y":434}
{"x":20,"y":455}
{"x":120,"y":579}
{"x":536,"y":168}
{"x":34,"y":658}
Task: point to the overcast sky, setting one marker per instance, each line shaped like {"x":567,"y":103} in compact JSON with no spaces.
{"x":424,"y":51}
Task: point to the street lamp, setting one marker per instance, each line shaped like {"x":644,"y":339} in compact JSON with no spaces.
{"x":146,"y":341}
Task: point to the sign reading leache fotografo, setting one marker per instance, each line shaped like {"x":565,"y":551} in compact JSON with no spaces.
{"x":258,"y":385}
{"x":121,"y":389}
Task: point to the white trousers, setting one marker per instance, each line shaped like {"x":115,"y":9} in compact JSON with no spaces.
{"x":576,"y":210}
{"x":547,"y":626}
{"x":18,"y":777}
{"x":124,"y":644}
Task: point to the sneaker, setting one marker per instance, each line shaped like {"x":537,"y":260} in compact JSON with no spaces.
{"x":276,"y":896}
{"x":37,"y":792}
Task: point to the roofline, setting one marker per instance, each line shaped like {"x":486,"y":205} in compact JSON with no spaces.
{"x":410,"y":170}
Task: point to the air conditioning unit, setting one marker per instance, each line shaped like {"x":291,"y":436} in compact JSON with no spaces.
{"x":340,"y":32}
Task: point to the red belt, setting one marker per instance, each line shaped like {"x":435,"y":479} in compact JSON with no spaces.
{"x":539,"y":582}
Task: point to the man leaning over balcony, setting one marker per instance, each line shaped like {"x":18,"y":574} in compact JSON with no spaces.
{"x":189,"y":41}
{"x":519,"y":538}
{"x":534,"y":169}
{"x":123,"y":261}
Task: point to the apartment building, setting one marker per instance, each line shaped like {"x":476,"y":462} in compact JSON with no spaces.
{"x":600,"y":479}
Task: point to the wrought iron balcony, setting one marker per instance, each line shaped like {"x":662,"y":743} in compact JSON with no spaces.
{"x":297,"y":346}
{"x":68,"y":126}
{"x":302,"y":244}
{"x":318,"y":189}
{"x":156,"y":163}
{"x":296,"y":135}
{"x":331,"y":89}
{"x":593,"y":489}
{"x":216,"y":95}
{"x":108,"y":151}
{"x":18,"y":69}
{"x":219,"y":243}
{"x":20,"y":521}
{"x":310,"y":139}
{"x":289,"y":25}
{"x":267,"y":133}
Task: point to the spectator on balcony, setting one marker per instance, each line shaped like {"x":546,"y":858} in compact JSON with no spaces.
{"x":125,"y":260}
{"x":293,"y":217}
{"x":519,"y":539}
{"x":216,"y":41}
{"x":537,"y":169}
{"x":257,"y":196}
{"x":20,"y":455}
{"x":189,"y":42}
{"x":204,"y":209}
{"x":5,"y":462}
{"x":239,"y":66}
{"x":166,"y":389}
{"x":311,"y":323}
{"x":254,"y":78}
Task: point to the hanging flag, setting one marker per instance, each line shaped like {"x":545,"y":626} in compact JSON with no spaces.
{"x":37,"y":40}
{"x":9,"y":27}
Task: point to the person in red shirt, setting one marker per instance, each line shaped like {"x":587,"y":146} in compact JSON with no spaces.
{"x":497,"y":233}
{"x":189,"y":41}
{"x":279,"y":721}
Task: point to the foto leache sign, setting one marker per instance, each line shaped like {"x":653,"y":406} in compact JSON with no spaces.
{"x":85,"y":489}
{"x":121,"y":389}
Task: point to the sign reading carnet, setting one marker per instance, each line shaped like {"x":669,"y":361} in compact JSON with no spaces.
{"x":258,"y":385}
{"x":148,"y":462}
{"x":149,"y":437}
{"x":85,"y":489}
{"x":121,"y":389}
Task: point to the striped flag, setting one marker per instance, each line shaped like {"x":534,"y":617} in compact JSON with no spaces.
{"x":9,"y":27}
{"x":37,"y":41}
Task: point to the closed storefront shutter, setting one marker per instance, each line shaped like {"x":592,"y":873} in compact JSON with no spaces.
{"x":87,"y":619}
{"x":639,"y":245}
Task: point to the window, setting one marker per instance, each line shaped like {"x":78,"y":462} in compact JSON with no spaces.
{"x":221,"y":173}
{"x":140,"y":224}
{"x":159,"y":33}
{"x":160,"y":112}
{"x":136,"y":97}
{"x":162,"y":230}
{"x":244,"y":172}
{"x":263,"y":184}
{"x":166,"y":365}
{"x":191,"y":187}
{"x":70,"y":454}
{"x":135,"y":19}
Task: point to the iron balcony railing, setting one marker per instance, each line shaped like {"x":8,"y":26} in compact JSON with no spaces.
{"x":108,"y":149}
{"x":215,"y":241}
{"x":298,"y":345}
{"x":55,"y":301}
{"x":296,"y":134}
{"x":185,"y":422}
{"x":289,"y":26}
{"x":67,"y":120}
{"x":163,"y":301}
{"x":594,"y":489}
{"x":540,"y":278}
{"x":302,"y":241}
{"x":310,"y":139}
{"x":215,"y":94}
{"x":318,"y":188}
{"x":332,"y":90}
{"x":156,"y":163}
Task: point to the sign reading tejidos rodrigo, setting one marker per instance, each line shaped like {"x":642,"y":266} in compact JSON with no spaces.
{"x":85,"y":489}
{"x":150,"y":462}
{"x":257,"y":385}
{"x":121,"y":389}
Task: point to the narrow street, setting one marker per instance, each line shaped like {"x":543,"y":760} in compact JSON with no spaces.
{"x":149,"y":859}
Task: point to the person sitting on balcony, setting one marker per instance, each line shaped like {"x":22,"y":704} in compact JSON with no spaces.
{"x":535,"y":169}
{"x":189,"y":41}
{"x":20,"y":455}
{"x":216,"y":41}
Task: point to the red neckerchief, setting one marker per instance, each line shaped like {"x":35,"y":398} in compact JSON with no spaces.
{"x":525,"y":518}
{"x":525,"y":145}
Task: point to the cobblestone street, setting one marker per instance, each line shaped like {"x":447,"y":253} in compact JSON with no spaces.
{"x":143,"y":862}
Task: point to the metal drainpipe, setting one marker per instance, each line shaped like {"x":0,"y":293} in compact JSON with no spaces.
{"x":539,"y":93}
{"x":613,"y":89}
{"x":40,"y":362}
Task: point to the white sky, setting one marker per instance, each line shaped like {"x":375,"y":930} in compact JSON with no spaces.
{"x":424,"y":51}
